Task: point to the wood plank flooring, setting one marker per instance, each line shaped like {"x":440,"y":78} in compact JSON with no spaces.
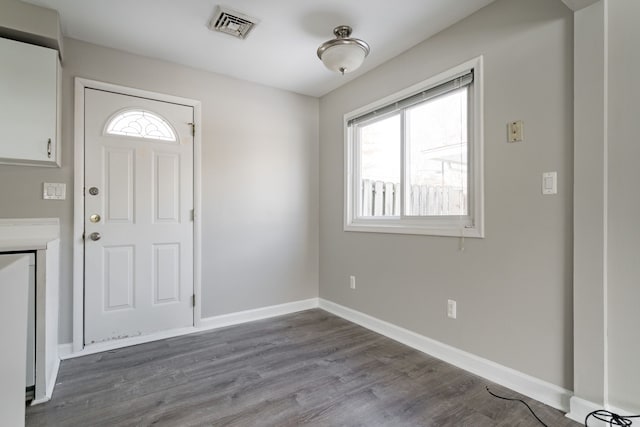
{"x":309,"y":368}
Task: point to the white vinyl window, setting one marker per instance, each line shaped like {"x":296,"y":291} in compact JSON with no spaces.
{"x":414,"y":159}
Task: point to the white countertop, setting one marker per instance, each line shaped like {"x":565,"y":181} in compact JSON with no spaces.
{"x":27,"y":234}
{"x":20,"y":245}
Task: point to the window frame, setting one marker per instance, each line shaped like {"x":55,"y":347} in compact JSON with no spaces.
{"x":470,"y":225}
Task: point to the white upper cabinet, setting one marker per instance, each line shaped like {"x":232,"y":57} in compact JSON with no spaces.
{"x":29,"y":104}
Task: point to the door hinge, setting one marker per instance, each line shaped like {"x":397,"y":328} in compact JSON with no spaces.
{"x":193,"y":215}
{"x":193,"y":128}
{"x":193,"y":300}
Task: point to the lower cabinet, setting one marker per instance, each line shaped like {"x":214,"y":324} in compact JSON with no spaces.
{"x":14,"y":277}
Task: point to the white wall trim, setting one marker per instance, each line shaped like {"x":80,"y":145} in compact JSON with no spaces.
{"x":78,"y":215}
{"x":535,"y":388}
{"x":53,"y":378}
{"x":64,"y":350}
{"x":223,"y":320}
{"x":67,"y":351}
{"x":620,"y":411}
{"x":51,"y":383}
{"x":78,"y":197}
{"x":580,"y":408}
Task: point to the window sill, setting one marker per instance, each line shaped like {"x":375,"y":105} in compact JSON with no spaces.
{"x":423,"y":230}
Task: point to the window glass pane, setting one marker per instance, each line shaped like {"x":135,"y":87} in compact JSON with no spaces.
{"x":437,"y":158}
{"x":379,"y":183}
{"x":141,"y":124}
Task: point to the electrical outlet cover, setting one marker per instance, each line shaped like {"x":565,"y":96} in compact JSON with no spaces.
{"x":515,"y":131}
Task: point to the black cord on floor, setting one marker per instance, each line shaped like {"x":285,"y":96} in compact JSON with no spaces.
{"x":518,"y":400}
{"x":611,"y":418}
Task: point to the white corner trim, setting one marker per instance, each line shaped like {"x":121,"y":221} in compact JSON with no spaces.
{"x":53,"y":378}
{"x":44,"y":399}
{"x":66,"y":351}
{"x":535,"y":388}
{"x":579,"y":410}
{"x":223,"y":320}
{"x":51,"y":383}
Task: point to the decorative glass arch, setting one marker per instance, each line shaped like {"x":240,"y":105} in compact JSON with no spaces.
{"x":140,"y":124}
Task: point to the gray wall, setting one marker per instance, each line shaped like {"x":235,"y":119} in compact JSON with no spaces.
{"x":623,"y":205}
{"x":259,"y":181}
{"x":514,"y":288}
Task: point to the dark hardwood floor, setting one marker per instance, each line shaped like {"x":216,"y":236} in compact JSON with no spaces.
{"x":308,"y":368}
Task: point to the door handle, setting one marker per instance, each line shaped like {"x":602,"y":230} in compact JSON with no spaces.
{"x":95,"y":236}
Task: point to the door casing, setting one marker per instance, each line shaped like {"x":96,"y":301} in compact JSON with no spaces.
{"x":78,"y":197}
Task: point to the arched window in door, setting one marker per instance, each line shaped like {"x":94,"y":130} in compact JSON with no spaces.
{"x":140,"y":124}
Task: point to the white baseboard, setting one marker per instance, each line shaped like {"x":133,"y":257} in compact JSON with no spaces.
{"x":52,"y":378}
{"x":223,"y":320}
{"x":51,"y":381}
{"x":535,"y":388}
{"x":40,"y":401}
{"x":622,"y":411}
{"x":65,"y":351}
{"x":580,"y":408}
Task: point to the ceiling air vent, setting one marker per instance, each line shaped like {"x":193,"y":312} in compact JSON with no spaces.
{"x":231,"y":22}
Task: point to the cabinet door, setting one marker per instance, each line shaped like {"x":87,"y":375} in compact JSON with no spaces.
{"x":28,"y":104}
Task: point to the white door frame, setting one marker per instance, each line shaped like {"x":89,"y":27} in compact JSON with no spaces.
{"x":78,"y":197}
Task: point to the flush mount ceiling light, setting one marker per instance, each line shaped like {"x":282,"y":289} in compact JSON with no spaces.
{"x":343,"y":54}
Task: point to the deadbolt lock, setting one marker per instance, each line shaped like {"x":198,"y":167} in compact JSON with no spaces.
{"x":94,"y":218}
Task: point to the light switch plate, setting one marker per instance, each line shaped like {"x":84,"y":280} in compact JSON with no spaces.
{"x":452,"y":310}
{"x":550,"y":183}
{"x":54,"y":191}
{"x":515,"y":131}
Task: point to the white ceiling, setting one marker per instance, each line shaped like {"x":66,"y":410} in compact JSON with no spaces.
{"x":279,"y":52}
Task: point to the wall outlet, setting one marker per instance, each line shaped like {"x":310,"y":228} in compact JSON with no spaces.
{"x":515,"y":131}
{"x":352,"y":282}
{"x":451,"y":309}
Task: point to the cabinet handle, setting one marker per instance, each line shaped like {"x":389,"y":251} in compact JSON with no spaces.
{"x":49,"y":148}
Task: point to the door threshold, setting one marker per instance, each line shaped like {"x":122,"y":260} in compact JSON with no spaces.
{"x":130,"y":341}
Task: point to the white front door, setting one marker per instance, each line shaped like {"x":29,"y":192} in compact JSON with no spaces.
{"x":138,"y":216}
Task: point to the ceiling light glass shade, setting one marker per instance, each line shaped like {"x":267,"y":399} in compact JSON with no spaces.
{"x":343,"y":54}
